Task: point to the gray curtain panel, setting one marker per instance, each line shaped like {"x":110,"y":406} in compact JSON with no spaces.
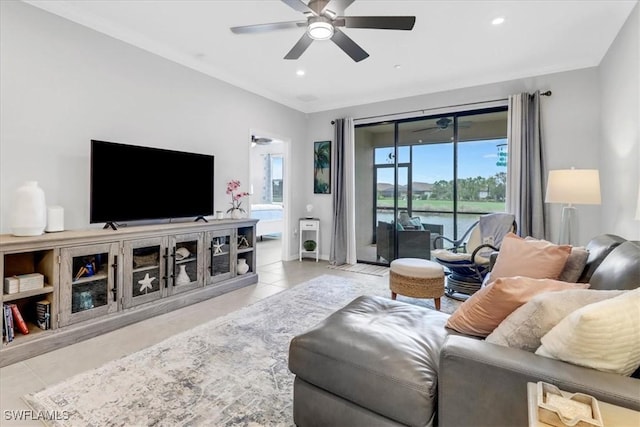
{"x":338,"y":251}
{"x":526,"y":171}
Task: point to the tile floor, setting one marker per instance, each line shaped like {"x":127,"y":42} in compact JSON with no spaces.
{"x":36,"y":373}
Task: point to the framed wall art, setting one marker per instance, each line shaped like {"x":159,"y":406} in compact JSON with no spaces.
{"x":322,"y":167}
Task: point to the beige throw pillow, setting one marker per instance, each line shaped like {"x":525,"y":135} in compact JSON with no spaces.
{"x":604,"y":335}
{"x":527,"y":324}
{"x":575,"y":262}
{"x":486,"y":309}
{"x":537,"y":259}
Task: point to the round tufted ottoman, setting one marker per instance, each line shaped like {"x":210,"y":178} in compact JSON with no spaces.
{"x":417,"y":278}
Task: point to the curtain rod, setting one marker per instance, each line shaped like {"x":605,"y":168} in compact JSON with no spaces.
{"x":546,"y":93}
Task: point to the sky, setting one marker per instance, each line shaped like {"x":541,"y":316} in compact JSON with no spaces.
{"x":276,"y":167}
{"x":434,"y":162}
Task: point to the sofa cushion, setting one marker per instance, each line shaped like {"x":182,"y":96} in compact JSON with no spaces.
{"x":599,"y":248}
{"x":620,"y":269}
{"x":527,"y":324}
{"x":486,"y":309}
{"x":603,"y":335}
{"x":537,"y":259}
{"x":380,"y":354}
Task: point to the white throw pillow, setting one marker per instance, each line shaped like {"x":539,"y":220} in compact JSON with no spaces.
{"x":603,"y":336}
{"x":527,"y":324}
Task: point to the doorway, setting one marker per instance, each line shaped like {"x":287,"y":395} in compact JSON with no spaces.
{"x":268,"y":168}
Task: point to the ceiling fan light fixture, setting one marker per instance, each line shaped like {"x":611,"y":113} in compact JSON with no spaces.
{"x":320,"y":28}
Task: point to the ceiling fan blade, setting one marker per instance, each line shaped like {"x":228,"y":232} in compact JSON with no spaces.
{"x":337,"y":6}
{"x":348,"y":46}
{"x":299,"y":48}
{"x":377,"y":22}
{"x":261,"y":28}
{"x":300,"y":6}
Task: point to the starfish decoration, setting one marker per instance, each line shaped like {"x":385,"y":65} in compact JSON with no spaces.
{"x":217,"y":247}
{"x":146,"y":282}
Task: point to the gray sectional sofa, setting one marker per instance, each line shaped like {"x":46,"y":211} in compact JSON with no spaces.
{"x":378,"y":362}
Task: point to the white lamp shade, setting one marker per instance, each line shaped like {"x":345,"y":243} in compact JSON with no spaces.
{"x":574,"y":186}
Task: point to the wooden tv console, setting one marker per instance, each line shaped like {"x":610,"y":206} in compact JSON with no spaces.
{"x":97,"y":280}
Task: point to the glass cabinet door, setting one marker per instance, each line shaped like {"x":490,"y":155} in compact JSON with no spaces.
{"x":146,"y":267}
{"x":88,"y":282}
{"x":219,"y":265}
{"x":187,"y":265}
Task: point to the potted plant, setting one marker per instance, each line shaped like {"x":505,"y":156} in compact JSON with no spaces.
{"x":310,"y":245}
{"x":236,"y":209}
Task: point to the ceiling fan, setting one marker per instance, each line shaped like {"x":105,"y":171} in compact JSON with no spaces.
{"x":323,"y":22}
{"x":259,"y":140}
{"x":443,"y":123}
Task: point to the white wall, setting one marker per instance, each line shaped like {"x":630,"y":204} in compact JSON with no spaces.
{"x":619,"y":74}
{"x":63,"y":85}
{"x":570,"y":120}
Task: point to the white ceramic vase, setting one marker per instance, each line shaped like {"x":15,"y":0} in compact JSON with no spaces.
{"x":242,"y":267}
{"x":29,"y":211}
{"x":183,"y":277}
{"x":236,"y":214}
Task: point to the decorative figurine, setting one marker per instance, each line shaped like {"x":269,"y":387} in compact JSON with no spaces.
{"x":217,"y":247}
{"x":88,"y":269}
{"x":146,"y":283}
{"x":243,"y":242}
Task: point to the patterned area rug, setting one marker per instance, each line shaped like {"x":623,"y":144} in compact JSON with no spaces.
{"x":231,"y":371}
{"x":375,"y":270}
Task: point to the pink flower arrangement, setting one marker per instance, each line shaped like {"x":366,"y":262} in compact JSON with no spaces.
{"x":236,"y":196}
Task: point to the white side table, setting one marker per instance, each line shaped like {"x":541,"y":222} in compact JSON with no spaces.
{"x":308,"y":226}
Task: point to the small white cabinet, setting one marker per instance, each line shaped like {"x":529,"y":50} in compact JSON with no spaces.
{"x":309,"y":230}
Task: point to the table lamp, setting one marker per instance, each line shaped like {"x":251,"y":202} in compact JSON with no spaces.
{"x":572,"y":187}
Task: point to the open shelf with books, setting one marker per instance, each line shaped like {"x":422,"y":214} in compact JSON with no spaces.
{"x":28,"y":278}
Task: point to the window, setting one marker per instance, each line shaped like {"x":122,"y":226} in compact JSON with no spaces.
{"x":449,"y":170}
{"x":276,"y":178}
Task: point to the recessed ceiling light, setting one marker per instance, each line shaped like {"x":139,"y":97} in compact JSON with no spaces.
{"x":397,"y":66}
{"x":497,"y":21}
{"x":300,"y":72}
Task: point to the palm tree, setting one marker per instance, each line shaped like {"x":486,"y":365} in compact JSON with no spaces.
{"x":321,"y":160}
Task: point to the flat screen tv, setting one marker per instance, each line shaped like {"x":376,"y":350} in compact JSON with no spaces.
{"x":132,"y":183}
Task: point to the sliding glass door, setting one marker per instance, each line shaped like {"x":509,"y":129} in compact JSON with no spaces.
{"x":436,"y":174}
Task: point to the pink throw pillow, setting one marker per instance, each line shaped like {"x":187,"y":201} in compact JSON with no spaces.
{"x":537,"y":259}
{"x":487,"y":308}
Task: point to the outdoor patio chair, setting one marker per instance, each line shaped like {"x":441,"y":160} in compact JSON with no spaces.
{"x":467,"y":260}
